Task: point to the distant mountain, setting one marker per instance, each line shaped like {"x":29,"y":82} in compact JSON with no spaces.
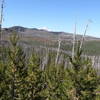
{"x":32,"y":32}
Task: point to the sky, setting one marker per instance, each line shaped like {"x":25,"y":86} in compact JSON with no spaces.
{"x":54,"y":15}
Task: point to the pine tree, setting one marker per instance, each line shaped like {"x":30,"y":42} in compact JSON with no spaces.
{"x":17,"y":68}
{"x":35,"y":79}
{"x":83,"y":76}
{"x":58,"y":82}
{"x":4,"y":80}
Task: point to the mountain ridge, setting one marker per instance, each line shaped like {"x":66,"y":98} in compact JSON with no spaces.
{"x":21,"y":29}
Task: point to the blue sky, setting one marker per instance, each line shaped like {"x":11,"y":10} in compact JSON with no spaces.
{"x":56,"y":15}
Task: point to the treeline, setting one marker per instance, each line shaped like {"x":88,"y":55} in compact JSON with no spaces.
{"x":22,"y":78}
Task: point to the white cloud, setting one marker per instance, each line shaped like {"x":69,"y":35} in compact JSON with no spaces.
{"x":44,"y":28}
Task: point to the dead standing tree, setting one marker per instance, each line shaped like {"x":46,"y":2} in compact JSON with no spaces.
{"x":83,"y":37}
{"x":1,"y":20}
{"x":74,"y":40}
{"x":58,"y":51}
{"x":1,"y":17}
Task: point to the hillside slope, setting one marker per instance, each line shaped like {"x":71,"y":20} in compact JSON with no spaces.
{"x":40,"y":37}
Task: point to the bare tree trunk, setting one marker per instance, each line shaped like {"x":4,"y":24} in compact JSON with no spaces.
{"x":58,"y":50}
{"x":74,"y":39}
{"x":1,"y":18}
{"x":83,"y":37}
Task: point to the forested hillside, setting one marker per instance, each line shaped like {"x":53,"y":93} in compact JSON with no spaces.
{"x":43,"y":75}
{"x":43,"y":38}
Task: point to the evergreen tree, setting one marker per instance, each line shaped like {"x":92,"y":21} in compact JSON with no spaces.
{"x":35,"y":79}
{"x":17,"y":68}
{"x":4,"y":81}
{"x":83,"y":76}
